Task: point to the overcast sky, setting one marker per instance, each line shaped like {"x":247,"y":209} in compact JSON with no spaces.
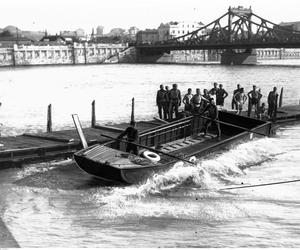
{"x":57,"y":15}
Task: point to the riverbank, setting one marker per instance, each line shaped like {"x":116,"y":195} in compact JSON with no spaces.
{"x":78,"y":54}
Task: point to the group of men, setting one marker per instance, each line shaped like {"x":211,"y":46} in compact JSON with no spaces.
{"x":168,"y":101}
{"x":239,"y":99}
{"x":205,"y":106}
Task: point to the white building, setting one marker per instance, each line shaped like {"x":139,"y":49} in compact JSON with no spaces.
{"x":176,"y":29}
{"x":132,"y":31}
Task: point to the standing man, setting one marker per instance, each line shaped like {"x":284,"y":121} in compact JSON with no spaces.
{"x":213,"y":116}
{"x":187,"y":100}
{"x":196,"y":101}
{"x":239,"y":99}
{"x":132,"y":137}
{"x":221,"y":94}
{"x":254,"y":98}
{"x":160,"y":102}
{"x":175,"y":101}
{"x":214,"y":90}
{"x":272,"y":103}
{"x":234,"y":105}
{"x":167,"y":103}
{"x":205,"y":98}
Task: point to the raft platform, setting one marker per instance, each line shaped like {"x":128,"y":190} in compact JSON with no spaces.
{"x":30,"y":148}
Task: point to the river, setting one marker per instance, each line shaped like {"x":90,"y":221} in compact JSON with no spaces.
{"x":54,"y":204}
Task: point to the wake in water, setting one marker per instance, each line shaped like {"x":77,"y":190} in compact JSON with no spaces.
{"x":175,"y":191}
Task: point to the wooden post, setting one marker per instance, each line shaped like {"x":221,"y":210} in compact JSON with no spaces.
{"x":275,"y":109}
{"x":93,"y":114}
{"x":132,"y":110}
{"x":280,"y":98}
{"x":49,"y":118}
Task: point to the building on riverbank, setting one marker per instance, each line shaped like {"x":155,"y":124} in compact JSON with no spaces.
{"x":176,"y":29}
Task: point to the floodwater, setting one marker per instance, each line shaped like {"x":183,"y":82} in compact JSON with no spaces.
{"x":54,"y":204}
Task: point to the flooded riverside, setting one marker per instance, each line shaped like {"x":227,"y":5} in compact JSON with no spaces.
{"x":54,"y":204}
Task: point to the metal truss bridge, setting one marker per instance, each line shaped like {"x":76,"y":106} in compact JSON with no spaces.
{"x":239,"y":28}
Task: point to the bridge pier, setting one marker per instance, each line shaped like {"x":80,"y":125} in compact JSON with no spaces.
{"x":230,"y":57}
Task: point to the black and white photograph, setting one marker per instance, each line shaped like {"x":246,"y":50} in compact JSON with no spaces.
{"x":150,"y":124}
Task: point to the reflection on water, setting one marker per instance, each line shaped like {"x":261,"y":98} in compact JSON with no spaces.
{"x":57,"y":205}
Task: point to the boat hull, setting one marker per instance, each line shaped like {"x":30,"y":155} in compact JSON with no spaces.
{"x":134,"y":173}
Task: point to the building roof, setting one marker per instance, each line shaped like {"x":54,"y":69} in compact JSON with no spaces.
{"x":52,"y":38}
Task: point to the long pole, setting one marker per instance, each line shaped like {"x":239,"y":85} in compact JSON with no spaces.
{"x":260,"y":185}
{"x":49,"y":118}
{"x":132,"y":110}
{"x":149,"y":148}
{"x":280,"y":97}
{"x":93,"y":114}
{"x":232,"y":125}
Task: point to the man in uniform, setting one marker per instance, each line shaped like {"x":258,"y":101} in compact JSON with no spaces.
{"x":161,"y":102}
{"x":221,"y":94}
{"x":132,"y":137}
{"x":234,"y":104}
{"x":254,"y":99}
{"x":167,"y":103}
{"x":196,"y":101}
{"x":214,"y":90}
{"x":175,"y":101}
{"x":213,"y":115}
{"x":272,"y":103}
{"x":187,"y":100}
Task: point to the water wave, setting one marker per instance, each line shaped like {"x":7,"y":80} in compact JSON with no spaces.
{"x":186,"y":183}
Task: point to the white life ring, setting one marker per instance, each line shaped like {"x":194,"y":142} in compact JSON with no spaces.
{"x":151,"y":156}
{"x":193,"y":159}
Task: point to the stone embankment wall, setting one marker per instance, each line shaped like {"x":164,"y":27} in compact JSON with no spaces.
{"x":213,"y":56}
{"x":118,"y":53}
{"x":45,"y":55}
{"x":281,"y":54}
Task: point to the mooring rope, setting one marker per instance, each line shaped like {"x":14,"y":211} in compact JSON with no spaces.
{"x":260,"y":185}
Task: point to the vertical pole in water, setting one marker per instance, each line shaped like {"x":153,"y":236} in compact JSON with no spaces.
{"x":132,"y":110}
{"x":93,"y":114}
{"x":280,"y":98}
{"x":275,"y":111}
{"x":49,"y":118}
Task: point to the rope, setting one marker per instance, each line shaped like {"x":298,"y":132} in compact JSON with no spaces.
{"x":260,"y":185}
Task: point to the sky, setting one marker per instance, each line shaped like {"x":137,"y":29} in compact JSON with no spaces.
{"x":59,"y":15}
